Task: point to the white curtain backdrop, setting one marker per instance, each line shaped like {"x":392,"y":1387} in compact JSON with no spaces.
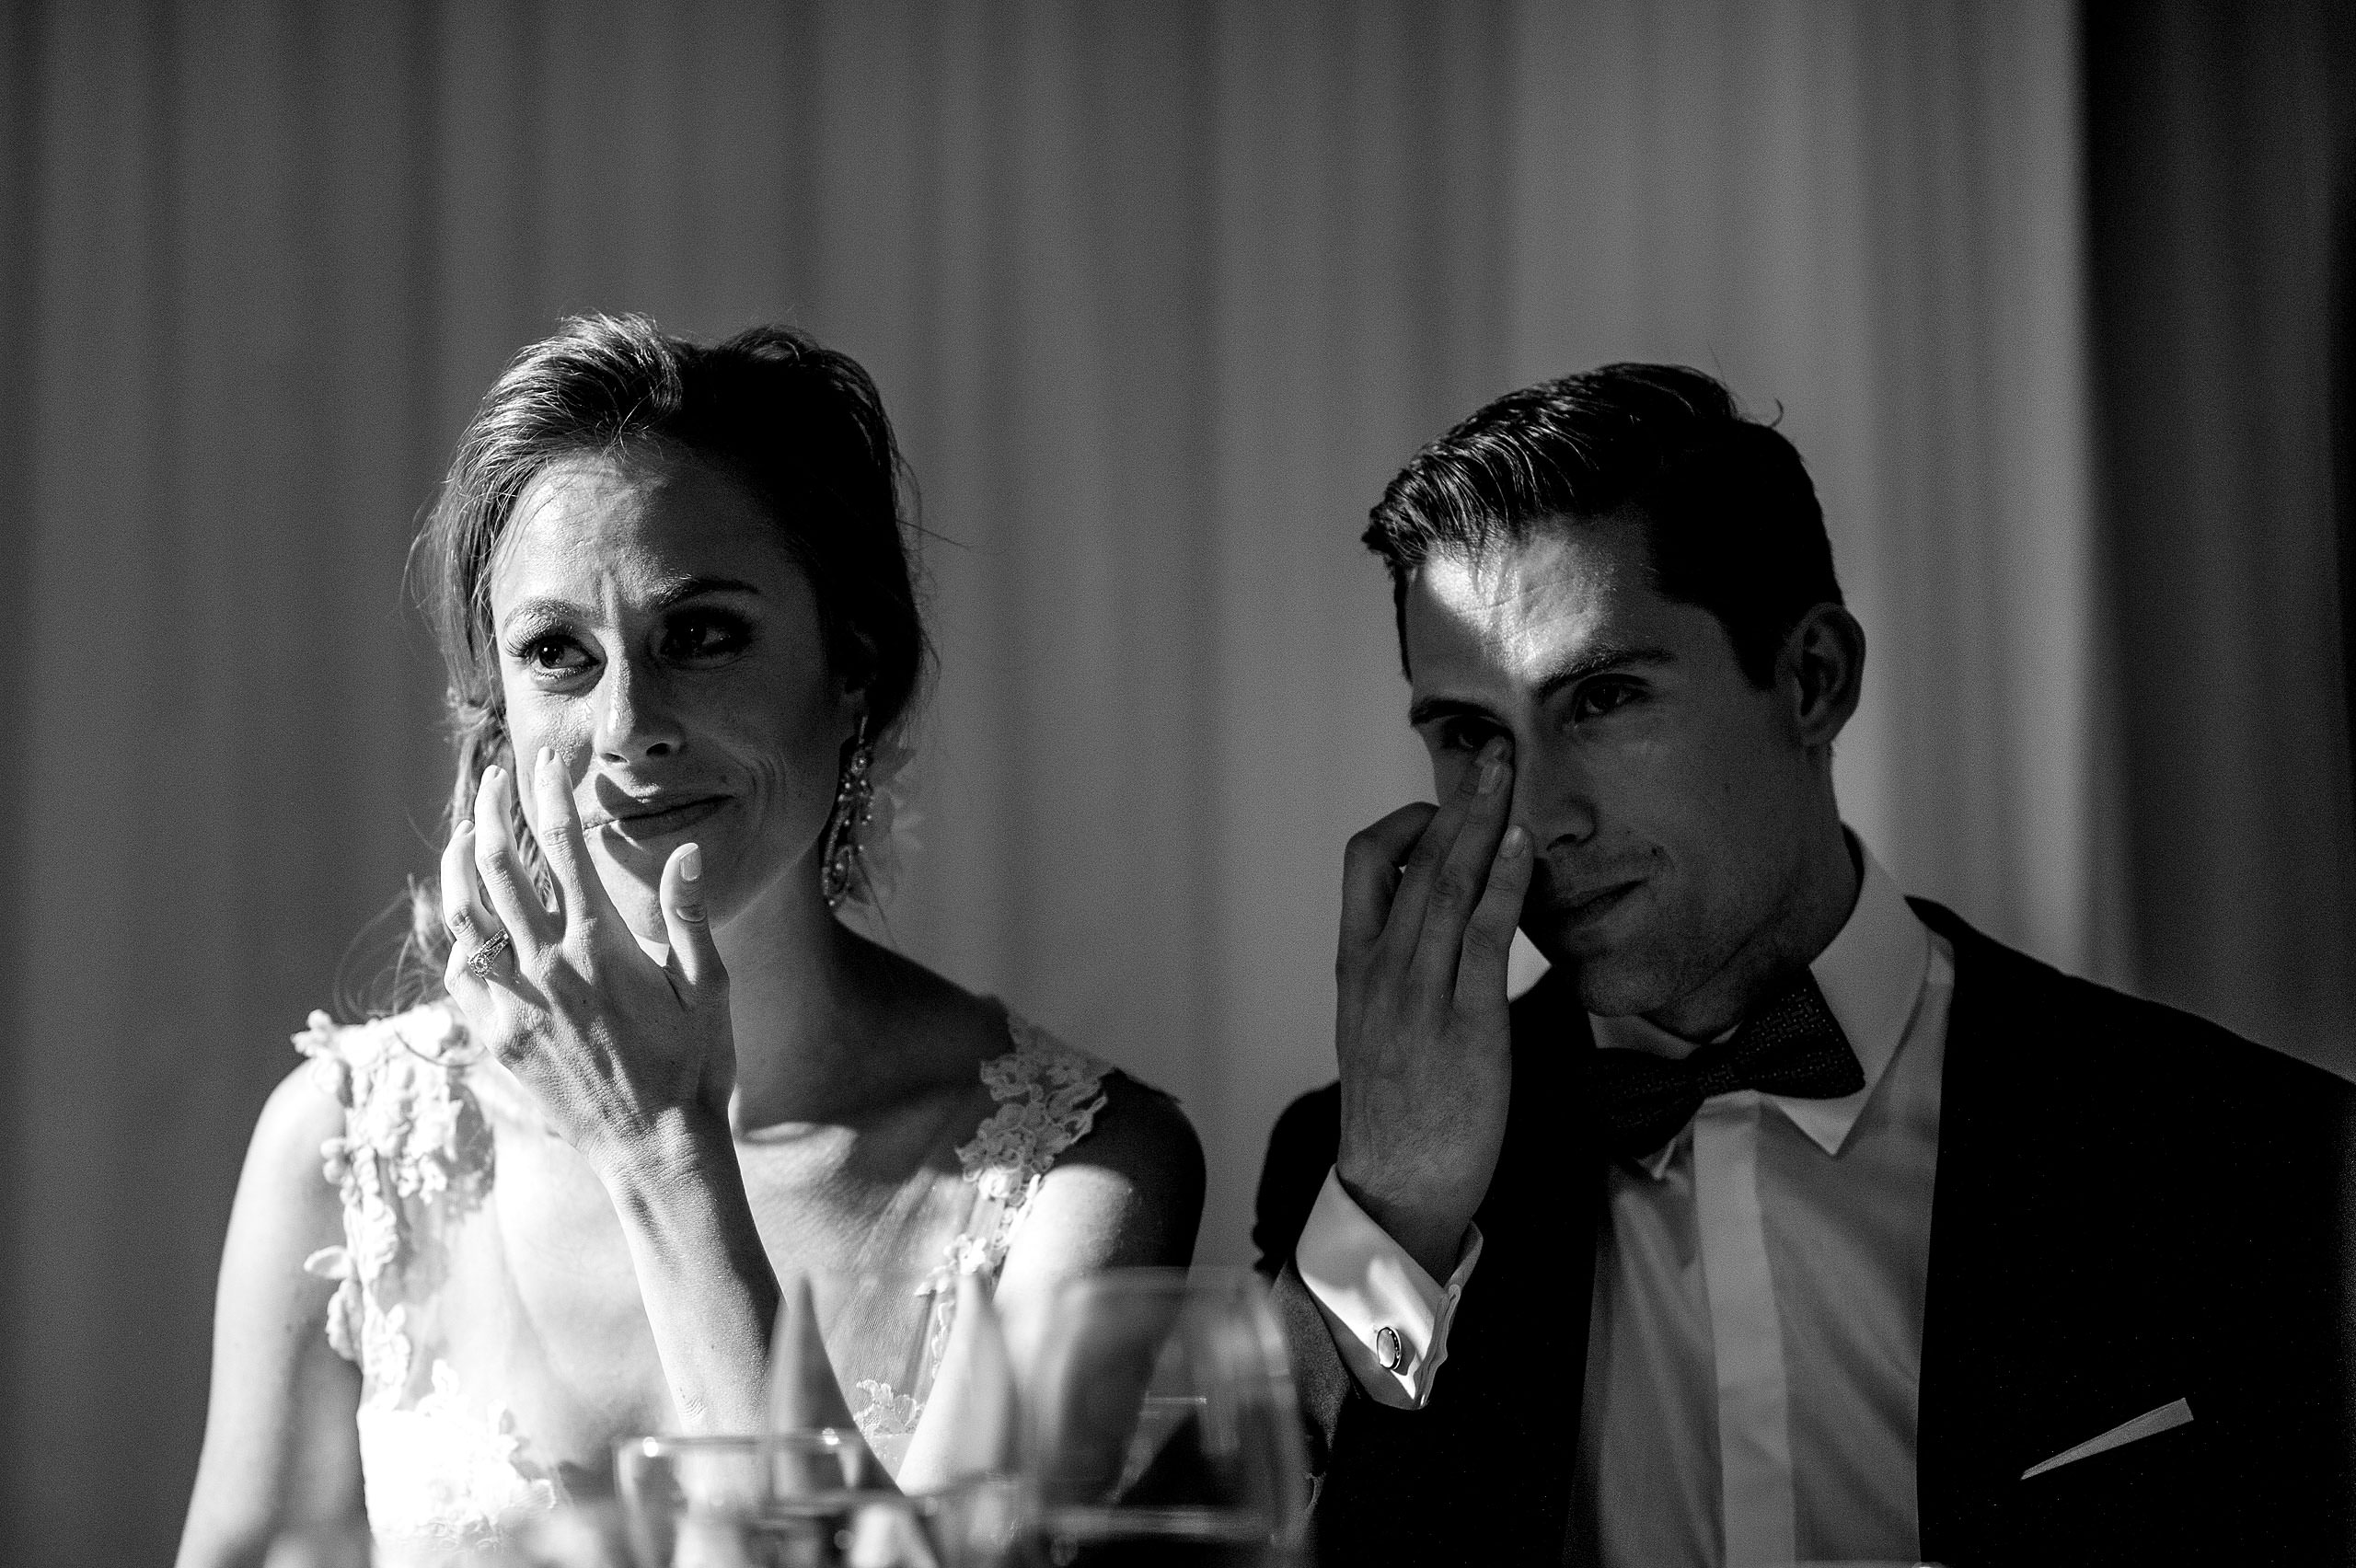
{"x":1159,"y":296}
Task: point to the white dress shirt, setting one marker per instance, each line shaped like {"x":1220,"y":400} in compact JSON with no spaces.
{"x":1755,"y":1333}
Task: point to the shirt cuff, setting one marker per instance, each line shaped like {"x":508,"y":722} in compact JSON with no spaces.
{"x":1388,"y":1316}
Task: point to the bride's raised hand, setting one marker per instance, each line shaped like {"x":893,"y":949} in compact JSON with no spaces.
{"x":632,"y":1062}
{"x":618,"y":1050}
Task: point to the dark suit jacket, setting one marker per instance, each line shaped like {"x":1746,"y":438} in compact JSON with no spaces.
{"x":2133,"y":1206}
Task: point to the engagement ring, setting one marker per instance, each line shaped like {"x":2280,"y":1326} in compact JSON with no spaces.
{"x":480,"y":960}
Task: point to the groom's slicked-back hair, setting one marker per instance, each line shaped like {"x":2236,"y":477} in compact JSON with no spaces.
{"x":1731,"y":520}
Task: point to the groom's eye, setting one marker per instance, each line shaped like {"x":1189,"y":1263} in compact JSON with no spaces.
{"x":1599,"y":698}
{"x":1466,"y":734}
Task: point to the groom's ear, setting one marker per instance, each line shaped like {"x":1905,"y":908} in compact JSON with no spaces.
{"x":1822,"y":674}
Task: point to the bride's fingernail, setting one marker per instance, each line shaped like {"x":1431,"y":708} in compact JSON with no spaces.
{"x":691,"y":863}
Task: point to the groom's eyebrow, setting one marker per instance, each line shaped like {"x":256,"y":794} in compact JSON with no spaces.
{"x":1596,"y":661}
{"x":1600,"y":660}
{"x":1430,"y":708}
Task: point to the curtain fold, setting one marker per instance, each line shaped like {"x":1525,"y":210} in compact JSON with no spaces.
{"x":2223,"y":142}
{"x":1159,"y":296}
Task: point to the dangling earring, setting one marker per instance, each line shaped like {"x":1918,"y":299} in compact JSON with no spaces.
{"x":854,"y":805}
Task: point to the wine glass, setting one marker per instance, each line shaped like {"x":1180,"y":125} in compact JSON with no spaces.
{"x":1160,"y":1427}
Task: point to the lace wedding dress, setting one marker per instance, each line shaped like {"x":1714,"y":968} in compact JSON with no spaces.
{"x":446,"y":1464}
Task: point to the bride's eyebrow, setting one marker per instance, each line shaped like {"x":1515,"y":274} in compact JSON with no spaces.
{"x":539,"y":612}
{"x":685,"y":588}
{"x":675,"y":591}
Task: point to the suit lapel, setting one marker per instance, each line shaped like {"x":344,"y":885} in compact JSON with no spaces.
{"x":2048,"y":1234}
{"x":1966,"y":1359}
{"x":2071,"y":1283}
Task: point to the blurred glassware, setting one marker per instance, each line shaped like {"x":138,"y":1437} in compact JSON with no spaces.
{"x":586,"y":1534}
{"x":698,"y":1502}
{"x":1160,"y":1425}
{"x":813,"y":1498}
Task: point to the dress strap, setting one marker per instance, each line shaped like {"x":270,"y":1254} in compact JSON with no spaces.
{"x":1047,"y":1096}
{"x":413,"y":1138}
{"x":439,"y":1465}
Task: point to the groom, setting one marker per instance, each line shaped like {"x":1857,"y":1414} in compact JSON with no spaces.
{"x":1787,"y":1218}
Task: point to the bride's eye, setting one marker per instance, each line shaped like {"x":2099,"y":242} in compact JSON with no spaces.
{"x":550,"y":655}
{"x":702,"y":636}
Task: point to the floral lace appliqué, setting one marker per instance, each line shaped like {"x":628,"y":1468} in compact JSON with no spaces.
{"x":442,"y":1472}
{"x":886,"y":1414}
{"x":416,"y":1154}
{"x":1047,"y":1096}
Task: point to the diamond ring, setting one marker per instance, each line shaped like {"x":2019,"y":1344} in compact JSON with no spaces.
{"x":479,"y":961}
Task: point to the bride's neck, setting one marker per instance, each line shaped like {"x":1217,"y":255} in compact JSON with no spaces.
{"x":806,"y":999}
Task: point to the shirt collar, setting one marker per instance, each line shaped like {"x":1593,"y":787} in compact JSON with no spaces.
{"x":1871,"y":977}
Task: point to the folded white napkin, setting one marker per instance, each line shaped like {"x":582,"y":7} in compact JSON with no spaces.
{"x":803,"y":1388}
{"x":968,"y":1423}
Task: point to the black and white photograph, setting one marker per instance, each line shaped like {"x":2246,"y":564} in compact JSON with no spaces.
{"x":1131,"y":783}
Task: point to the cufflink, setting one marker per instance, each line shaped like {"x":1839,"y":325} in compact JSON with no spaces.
{"x":1388,"y":1349}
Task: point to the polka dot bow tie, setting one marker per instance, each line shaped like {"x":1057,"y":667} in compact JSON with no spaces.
{"x":1792,"y":1045}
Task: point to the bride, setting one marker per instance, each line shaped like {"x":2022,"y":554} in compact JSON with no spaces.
{"x":476,"y":1241}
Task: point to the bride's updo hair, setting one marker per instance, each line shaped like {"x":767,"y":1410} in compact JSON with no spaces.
{"x":800,"y":426}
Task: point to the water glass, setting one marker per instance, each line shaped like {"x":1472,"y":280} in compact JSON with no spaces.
{"x":1160,"y":1425}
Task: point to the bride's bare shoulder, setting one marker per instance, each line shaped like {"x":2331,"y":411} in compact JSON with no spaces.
{"x":283,"y":1396}
{"x":286,"y":1208}
{"x":1126,"y":1180}
{"x":303,"y":1114}
{"x":300,"y":1116}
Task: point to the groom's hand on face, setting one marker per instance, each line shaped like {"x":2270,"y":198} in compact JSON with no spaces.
{"x":1431,"y":897}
